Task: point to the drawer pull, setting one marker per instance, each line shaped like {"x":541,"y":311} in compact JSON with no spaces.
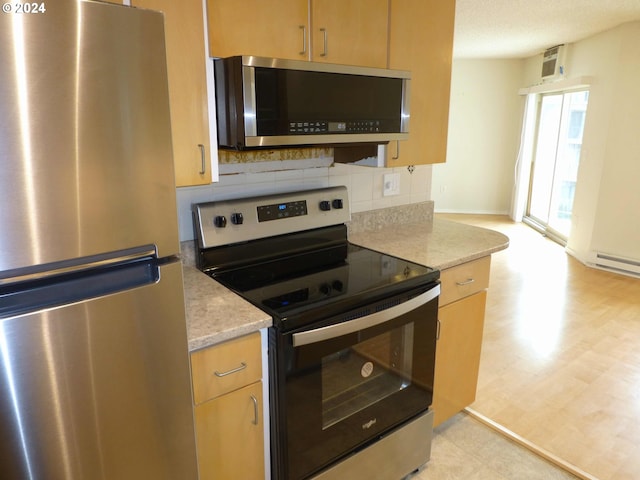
{"x":468,"y":281}
{"x":235,"y":370}
{"x":256,"y":418}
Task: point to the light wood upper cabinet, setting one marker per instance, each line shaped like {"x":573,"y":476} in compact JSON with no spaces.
{"x":421,"y":40}
{"x":354,"y":32}
{"x":414,"y":35}
{"x":277,"y":28}
{"x":186,"y":67}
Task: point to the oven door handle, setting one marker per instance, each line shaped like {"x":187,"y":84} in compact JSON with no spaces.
{"x":344,"y":328}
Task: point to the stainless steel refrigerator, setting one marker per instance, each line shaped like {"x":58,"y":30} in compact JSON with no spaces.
{"x":94,"y":367}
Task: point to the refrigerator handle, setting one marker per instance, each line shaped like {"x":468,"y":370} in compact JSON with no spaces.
{"x":80,"y":264}
{"x":76,"y":286}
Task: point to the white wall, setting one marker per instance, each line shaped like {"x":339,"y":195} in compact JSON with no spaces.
{"x":617,"y":218}
{"x":364,"y":185}
{"x":606,"y":212}
{"x":485,"y":119}
{"x":484,"y":136}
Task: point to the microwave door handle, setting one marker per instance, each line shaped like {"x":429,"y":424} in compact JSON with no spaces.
{"x":362,"y":323}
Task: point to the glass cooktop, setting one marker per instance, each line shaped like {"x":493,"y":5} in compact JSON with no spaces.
{"x":304,"y":288}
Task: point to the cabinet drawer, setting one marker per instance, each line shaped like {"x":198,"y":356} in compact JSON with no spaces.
{"x":226,"y":367}
{"x":464,"y":280}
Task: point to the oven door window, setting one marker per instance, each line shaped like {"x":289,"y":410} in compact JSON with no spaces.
{"x":343,"y":389}
{"x":363,"y":375}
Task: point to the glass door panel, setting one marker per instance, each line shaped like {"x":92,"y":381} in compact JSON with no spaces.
{"x":555,"y":167}
{"x":544,"y":163}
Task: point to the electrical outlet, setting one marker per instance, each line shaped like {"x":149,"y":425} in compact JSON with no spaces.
{"x":391,"y":184}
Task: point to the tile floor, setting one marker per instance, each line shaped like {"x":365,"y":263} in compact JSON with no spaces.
{"x":465,"y":449}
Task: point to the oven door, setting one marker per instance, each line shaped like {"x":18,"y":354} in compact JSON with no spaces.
{"x":343,"y":384}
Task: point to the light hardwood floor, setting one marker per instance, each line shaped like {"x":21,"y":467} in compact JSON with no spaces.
{"x":560,"y":361}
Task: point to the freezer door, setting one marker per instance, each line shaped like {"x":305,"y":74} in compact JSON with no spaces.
{"x":99,"y":389}
{"x":86,"y":161}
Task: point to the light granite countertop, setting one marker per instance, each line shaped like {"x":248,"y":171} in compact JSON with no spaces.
{"x":215,"y":314}
{"x":440,"y":245}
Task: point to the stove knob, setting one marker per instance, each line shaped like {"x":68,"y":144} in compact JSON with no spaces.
{"x":325,"y":289}
{"x":337,"y":203}
{"x":237,"y":218}
{"x":325,"y":206}
{"x":220,"y":221}
{"x":337,"y":285}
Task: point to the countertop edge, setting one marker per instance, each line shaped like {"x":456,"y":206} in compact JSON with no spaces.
{"x":214,"y":313}
{"x":222,"y":336}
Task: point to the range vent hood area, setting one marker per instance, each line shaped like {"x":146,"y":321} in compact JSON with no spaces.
{"x":274,"y":103}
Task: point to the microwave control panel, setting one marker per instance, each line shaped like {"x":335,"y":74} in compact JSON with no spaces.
{"x":363,"y":126}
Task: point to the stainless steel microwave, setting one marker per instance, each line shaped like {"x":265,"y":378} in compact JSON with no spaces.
{"x":266,"y":102}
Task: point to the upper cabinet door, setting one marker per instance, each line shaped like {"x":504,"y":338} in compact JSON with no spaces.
{"x":186,"y":68}
{"x":353,"y":32}
{"x":274,"y":28}
{"x":421,"y":40}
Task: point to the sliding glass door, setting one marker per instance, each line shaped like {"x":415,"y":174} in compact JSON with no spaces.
{"x":556,"y":159}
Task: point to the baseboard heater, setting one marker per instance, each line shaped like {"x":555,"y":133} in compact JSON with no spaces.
{"x":617,"y":264}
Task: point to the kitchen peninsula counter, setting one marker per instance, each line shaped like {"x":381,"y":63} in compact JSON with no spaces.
{"x":215,"y":314}
{"x":441,"y":244}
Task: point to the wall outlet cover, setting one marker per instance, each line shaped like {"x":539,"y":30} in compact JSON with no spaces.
{"x":391,"y":184}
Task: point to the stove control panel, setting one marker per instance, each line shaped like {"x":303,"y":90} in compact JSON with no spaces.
{"x":280,"y":210}
{"x":231,"y":221}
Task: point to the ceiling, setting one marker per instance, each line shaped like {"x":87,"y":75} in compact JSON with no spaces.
{"x":523,"y":28}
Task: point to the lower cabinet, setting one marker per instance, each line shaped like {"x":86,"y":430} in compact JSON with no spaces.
{"x":227,"y":386}
{"x":230,"y":435}
{"x":461,"y":317}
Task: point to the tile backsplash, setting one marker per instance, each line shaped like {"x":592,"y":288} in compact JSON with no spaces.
{"x":364,"y":184}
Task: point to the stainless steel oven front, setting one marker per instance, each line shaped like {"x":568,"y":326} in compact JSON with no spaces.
{"x":349,"y":381}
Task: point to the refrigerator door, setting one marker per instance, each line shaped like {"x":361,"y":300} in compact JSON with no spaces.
{"x":86,"y":162}
{"x":100,"y":388}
